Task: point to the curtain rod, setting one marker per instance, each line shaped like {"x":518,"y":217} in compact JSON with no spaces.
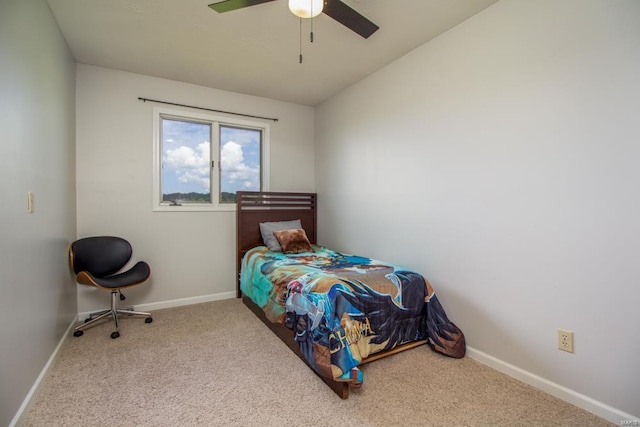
{"x":207,"y":109}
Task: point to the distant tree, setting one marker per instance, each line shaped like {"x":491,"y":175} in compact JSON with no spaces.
{"x":226,"y":197}
{"x":193,"y":197}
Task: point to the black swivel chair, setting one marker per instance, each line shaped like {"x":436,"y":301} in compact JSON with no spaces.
{"x":96,"y":261}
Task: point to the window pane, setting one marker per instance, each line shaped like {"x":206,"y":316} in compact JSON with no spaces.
{"x":240,"y":150}
{"x":186,"y":160}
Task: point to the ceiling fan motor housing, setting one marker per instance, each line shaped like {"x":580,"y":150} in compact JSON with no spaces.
{"x":306,"y":8}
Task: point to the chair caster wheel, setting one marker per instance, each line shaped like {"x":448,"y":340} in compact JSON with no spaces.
{"x":115,"y":335}
{"x":148,"y":320}
{"x":78,"y":333}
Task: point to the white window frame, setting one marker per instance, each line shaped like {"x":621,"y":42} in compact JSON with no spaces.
{"x":216,"y":122}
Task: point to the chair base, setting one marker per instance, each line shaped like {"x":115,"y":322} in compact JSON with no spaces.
{"x":114,"y":311}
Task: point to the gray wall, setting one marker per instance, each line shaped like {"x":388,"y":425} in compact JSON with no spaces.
{"x":37,"y":118}
{"x":501,"y":161}
{"x":192,"y":254}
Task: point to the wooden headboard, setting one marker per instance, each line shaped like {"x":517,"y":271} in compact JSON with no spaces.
{"x":254,"y":207}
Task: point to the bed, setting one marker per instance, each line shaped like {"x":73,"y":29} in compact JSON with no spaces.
{"x":335,"y":311}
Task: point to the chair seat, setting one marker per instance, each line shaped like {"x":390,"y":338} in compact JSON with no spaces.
{"x":137,"y":274}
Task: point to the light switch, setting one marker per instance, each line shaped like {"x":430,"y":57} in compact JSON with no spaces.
{"x":30,"y":201}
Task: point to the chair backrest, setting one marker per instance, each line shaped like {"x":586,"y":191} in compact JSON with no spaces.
{"x":101,"y":256}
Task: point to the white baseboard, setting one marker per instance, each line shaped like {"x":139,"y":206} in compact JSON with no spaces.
{"x":175,"y":303}
{"x":580,"y":400}
{"x":36,"y":385}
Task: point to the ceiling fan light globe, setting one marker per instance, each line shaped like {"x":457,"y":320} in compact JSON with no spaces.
{"x":306,"y":8}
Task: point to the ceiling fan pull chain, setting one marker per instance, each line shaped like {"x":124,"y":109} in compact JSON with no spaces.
{"x":311,"y":35}
{"x":301,"y":40}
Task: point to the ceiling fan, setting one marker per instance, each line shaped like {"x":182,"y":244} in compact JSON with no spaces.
{"x":333,"y":8}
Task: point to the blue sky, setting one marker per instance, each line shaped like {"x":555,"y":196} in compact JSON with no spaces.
{"x":186,"y":157}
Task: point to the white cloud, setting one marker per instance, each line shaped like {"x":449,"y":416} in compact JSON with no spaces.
{"x":185,"y":157}
{"x":234,"y":169}
{"x":195,"y":177}
{"x":191,"y":166}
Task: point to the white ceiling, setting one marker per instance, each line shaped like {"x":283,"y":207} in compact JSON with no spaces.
{"x":252,"y":50}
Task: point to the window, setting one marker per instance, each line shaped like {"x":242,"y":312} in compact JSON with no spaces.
{"x":202,"y":161}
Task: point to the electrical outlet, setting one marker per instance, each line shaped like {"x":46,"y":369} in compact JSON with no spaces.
{"x":565,"y":340}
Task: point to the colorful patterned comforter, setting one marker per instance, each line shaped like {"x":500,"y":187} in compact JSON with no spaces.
{"x":343,"y":308}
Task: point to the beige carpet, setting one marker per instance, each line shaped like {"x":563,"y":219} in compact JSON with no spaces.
{"x":216,"y":364}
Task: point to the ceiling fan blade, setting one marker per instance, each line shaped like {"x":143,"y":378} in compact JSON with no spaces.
{"x":349,"y":18}
{"x":229,"y":5}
